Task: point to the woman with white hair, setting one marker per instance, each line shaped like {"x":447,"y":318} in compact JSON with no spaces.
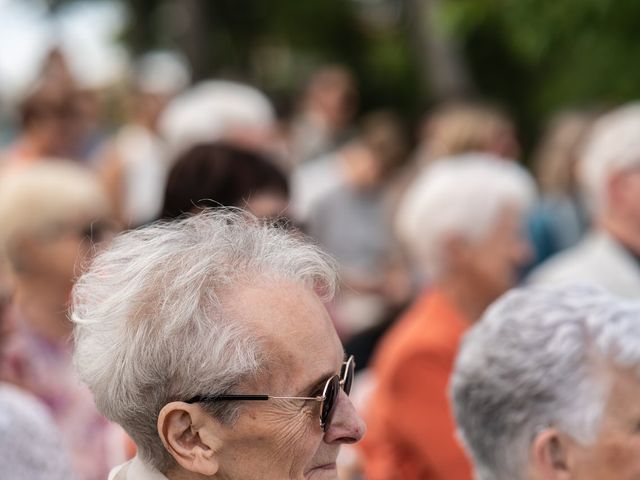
{"x":546,"y":387}
{"x":462,"y":221}
{"x":207,"y":339}
{"x":51,"y":216}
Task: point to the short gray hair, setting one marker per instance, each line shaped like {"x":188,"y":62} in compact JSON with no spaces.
{"x":536,"y":360}
{"x":460,"y":195}
{"x":150,"y":326}
{"x":612,"y":146}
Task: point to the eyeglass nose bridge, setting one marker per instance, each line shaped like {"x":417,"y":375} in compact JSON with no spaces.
{"x":345,"y":380}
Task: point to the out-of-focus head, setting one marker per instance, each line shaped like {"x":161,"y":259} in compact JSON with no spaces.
{"x":609,"y":169}
{"x":559,"y":151}
{"x":50,"y":214}
{"x":48,"y":117}
{"x":158,"y":77}
{"x":463,"y":127}
{"x":380,"y":148}
{"x":219,"y":110}
{"x":463,"y":216}
{"x":331,"y":93}
{"x":214,"y":304}
{"x":221,"y":175}
{"x":546,"y":386}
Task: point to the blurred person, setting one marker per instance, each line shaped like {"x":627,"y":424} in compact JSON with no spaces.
{"x":545,"y":387}
{"x":327,"y":107}
{"x":90,"y":123}
{"x":213,"y":349}
{"x":352,"y":222}
{"x":52,"y":216}
{"x":462,"y":220}
{"x":30,"y":446}
{"x":609,"y":172}
{"x":561,"y":218}
{"x":47,"y":126}
{"x":467,"y":126}
{"x":211,"y":175}
{"x":353,"y":164}
{"x":224,"y":111}
{"x":135,"y":164}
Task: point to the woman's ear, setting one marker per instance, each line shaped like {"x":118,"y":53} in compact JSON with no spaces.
{"x":551,"y":455}
{"x":191,"y":436}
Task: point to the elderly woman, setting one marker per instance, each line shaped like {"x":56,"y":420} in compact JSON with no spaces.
{"x":546,"y":386}
{"x":208,"y":341}
{"x":462,"y":219}
{"x":51,"y":216}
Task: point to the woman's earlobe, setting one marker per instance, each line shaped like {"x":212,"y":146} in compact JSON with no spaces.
{"x":192,"y":437}
{"x":550,"y":455}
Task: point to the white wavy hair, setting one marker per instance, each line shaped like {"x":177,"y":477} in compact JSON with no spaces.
{"x":209,"y":110}
{"x":150,"y":325}
{"x":612,"y":146}
{"x":462,"y":196}
{"x":535,"y":360}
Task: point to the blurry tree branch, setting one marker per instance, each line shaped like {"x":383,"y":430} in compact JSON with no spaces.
{"x":441,"y":63}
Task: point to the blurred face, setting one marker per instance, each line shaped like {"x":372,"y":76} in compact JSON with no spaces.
{"x":625,"y":197}
{"x":337,"y":97}
{"x":363,"y":169}
{"x":493,"y":263}
{"x":282,"y":439}
{"x":57,"y":252}
{"x":615,"y":454}
{"x":55,"y":129}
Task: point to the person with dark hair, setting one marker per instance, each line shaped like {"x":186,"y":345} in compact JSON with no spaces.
{"x":47,"y":130}
{"x":217,"y":174}
{"x":325,"y":114}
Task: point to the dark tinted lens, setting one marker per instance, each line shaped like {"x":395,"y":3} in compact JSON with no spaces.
{"x":331,"y":391}
{"x":348,"y":371}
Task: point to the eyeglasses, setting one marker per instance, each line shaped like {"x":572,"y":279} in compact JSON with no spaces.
{"x":94,"y":232}
{"x":97,"y":232}
{"x":328,"y":399}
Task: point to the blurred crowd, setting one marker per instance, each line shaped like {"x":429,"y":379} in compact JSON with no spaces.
{"x":429,"y":226}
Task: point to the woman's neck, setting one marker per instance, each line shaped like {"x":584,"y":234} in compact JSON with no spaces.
{"x":464,"y":296}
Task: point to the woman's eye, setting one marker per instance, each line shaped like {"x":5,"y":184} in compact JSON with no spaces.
{"x":317,"y":392}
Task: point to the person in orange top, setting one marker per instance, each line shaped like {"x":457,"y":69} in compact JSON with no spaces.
{"x":462,"y":221}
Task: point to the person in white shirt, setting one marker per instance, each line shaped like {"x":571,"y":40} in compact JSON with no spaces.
{"x":609,"y":171}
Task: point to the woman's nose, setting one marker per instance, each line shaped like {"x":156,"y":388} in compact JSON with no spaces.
{"x":346,"y":425}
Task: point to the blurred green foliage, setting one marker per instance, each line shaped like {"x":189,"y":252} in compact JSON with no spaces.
{"x":277,"y":43}
{"x":532,"y":56}
{"x":539,"y":56}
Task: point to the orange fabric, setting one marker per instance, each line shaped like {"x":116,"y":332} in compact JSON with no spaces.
{"x":410,"y":426}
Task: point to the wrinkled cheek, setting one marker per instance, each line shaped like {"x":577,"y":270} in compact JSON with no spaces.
{"x":623,"y":460}
{"x":297,"y":439}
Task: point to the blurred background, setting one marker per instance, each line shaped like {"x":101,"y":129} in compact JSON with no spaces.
{"x":320,"y":116}
{"x":531,"y":56}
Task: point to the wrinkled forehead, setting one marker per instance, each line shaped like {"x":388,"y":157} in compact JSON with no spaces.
{"x":291,"y":321}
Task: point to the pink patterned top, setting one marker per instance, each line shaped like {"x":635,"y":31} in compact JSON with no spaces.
{"x":44,"y":368}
